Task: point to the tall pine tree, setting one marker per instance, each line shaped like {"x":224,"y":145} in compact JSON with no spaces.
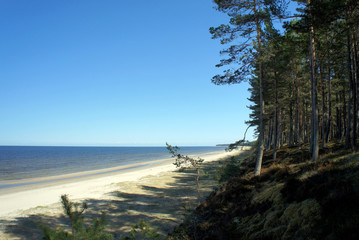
{"x":246,"y":22}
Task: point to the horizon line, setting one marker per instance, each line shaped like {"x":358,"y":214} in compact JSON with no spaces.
{"x":21,"y":145}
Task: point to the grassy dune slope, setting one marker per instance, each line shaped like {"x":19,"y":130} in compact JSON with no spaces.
{"x":293,"y":198}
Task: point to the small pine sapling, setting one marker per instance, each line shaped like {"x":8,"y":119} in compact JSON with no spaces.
{"x":184,"y":161}
{"x":79,"y":231}
{"x":143,"y":230}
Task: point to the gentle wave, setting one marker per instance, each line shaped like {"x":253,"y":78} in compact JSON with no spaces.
{"x":24,"y":162}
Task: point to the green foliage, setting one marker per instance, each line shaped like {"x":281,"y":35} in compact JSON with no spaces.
{"x":55,"y":234}
{"x":229,"y":169}
{"x":79,"y":231}
{"x":143,"y":230}
{"x":184,"y":161}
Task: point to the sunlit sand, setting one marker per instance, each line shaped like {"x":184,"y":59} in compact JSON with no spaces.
{"x":154,"y":191}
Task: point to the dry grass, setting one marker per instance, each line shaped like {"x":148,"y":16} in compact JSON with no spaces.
{"x":293,"y":198}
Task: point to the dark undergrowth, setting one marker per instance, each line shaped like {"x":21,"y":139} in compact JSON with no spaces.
{"x":293,"y":198}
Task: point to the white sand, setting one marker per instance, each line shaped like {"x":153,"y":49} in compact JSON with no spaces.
{"x":156,"y":193}
{"x":14,"y":201}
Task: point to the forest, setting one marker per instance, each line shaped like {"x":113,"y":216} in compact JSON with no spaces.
{"x":303,"y":77}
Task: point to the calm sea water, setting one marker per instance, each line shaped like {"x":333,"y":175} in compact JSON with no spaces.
{"x":20,"y":162}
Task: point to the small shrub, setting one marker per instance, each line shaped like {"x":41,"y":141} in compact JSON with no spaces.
{"x":229,"y":169}
{"x":143,"y":230}
{"x":184,"y":161}
{"x":79,"y":231}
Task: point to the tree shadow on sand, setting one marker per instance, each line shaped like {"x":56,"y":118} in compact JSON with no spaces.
{"x":162,"y":206}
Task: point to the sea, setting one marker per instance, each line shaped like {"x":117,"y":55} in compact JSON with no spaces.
{"x":26,"y":162}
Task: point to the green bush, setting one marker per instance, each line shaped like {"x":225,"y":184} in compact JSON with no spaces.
{"x":79,"y":231}
{"x":229,"y":169}
{"x":143,"y":230}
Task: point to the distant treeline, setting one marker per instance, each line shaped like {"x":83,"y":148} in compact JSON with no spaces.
{"x":245,"y":143}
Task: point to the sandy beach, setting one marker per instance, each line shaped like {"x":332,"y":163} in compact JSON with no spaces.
{"x":155,"y":191}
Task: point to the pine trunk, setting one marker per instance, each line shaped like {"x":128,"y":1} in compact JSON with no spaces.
{"x":314,"y":124}
{"x":291,"y":137}
{"x":258,"y":167}
{"x":338,"y":117}
{"x":297,"y":137}
{"x":345,"y":115}
{"x":348,"y":143}
{"x":275,"y":141}
{"x":355,"y":89}
{"x":324,"y":118}
{"x":329,"y":120}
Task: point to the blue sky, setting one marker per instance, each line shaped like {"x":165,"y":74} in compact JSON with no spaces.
{"x":116,"y":73}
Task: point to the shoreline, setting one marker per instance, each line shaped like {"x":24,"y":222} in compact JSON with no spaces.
{"x":8,"y":184}
{"x":89,"y":184}
{"x":43,"y":199}
{"x":86,"y":186}
{"x":13,"y":183}
{"x":92,"y":160}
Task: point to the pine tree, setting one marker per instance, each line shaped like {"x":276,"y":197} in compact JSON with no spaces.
{"x":79,"y":231}
{"x":246,"y":21}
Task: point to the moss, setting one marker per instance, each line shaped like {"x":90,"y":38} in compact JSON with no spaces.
{"x":246,"y":226}
{"x":293,"y":198}
{"x":296,"y":221}
{"x":272,"y":193}
{"x":300,"y":219}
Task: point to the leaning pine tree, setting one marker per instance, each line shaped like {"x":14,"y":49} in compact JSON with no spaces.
{"x":246,"y":20}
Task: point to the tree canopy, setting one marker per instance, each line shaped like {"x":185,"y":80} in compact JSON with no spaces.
{"x":304,"y":78}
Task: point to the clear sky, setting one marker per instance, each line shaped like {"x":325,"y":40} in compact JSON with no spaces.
{"x":116,"y":73}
